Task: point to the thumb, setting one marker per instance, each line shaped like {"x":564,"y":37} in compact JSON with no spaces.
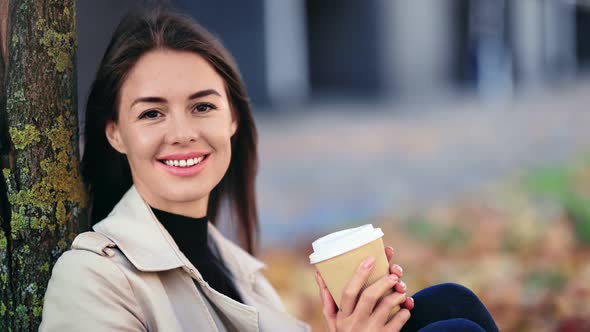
{"x":329,"y":305}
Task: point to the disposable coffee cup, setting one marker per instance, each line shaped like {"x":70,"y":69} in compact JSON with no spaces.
{"x":338,"y":255}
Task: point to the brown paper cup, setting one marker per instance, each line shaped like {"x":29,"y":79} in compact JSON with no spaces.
{"x":338,"y":271}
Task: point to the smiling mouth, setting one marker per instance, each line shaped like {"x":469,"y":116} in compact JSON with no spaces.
{"x":183,"y":163}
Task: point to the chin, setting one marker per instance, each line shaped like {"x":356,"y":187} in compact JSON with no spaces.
{"x":186,"y":195}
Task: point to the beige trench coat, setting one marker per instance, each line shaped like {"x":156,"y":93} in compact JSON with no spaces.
{"x":129,"y":275}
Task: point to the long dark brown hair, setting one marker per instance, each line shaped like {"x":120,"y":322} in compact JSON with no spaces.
{"x":106,"y":172}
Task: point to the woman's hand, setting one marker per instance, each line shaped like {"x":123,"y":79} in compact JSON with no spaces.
{"x":363,"y":310}
{"x":400,"y":286}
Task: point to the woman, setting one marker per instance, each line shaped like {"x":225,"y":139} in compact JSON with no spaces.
{"x":169,"y":139}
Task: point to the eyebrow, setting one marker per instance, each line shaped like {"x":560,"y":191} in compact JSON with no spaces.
{"x":195,"y":95}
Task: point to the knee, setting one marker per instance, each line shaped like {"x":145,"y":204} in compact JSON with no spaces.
{"x":450,"y":301}
{"x":454,"y":325}
{"x":456,"y":289}
{"x":452,"y":293}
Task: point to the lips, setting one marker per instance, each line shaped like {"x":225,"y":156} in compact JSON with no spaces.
{"x":183,"y":167}
{"x":183,"y":162}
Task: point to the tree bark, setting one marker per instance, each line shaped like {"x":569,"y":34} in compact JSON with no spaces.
{"x":41,"y":193}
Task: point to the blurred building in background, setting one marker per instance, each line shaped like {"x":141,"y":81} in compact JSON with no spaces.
{"x":299,"y":51}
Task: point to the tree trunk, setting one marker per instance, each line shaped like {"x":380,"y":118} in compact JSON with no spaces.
{"x":41,"y":194}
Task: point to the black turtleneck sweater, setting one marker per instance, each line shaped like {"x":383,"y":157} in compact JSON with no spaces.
{"x":191,"y":236}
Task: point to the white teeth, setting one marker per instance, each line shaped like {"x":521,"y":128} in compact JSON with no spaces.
{"x":184,"y":163}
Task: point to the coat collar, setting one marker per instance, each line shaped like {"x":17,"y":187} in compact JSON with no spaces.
{"x":135,"y":230}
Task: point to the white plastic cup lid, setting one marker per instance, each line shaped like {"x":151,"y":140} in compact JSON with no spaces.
{"x":338,"y":243}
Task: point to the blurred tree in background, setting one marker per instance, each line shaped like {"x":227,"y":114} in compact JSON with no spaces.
{"x":41,"y":193}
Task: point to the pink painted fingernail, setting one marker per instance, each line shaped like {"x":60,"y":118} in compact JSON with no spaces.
{"x":369,"y":262}
{"x":393,"y":277}
{"x":399,"y":267}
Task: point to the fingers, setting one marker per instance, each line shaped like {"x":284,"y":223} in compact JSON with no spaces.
{"x":369,"y":302}
{"x":386,"y":305}
{"x":389,"y":253}
{"x":396,"y":269}
{"x":398,"y":321}
{"x":328,"y":303}
{"x":401,"y":287}
{"x":371,"y":295}
{"x":408,"y":303}
{"x":352,"y":289}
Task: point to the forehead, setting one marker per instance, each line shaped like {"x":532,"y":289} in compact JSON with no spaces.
{"x":171,"y":73}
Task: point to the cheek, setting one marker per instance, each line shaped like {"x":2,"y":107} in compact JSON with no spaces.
{"x":221,"y":144}
{"x":142,"y":144}
{"x":219,"y":134}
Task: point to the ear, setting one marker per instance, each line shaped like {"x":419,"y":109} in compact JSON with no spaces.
{"x":114,"y":136}
{"x":234,"y":122}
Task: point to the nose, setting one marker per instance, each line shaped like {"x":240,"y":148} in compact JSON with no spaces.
{"x":181,"y":130}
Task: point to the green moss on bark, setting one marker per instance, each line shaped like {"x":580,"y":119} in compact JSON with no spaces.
{"x":59,"y":45}
{"x":21,"y":138}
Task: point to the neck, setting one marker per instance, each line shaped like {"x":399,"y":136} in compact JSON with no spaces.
{"x":187,"y":212}
{"x":176,"y":216}
{"x":191,"y":208}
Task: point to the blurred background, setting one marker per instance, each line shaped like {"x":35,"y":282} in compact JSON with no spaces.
{"x":457,"y":126}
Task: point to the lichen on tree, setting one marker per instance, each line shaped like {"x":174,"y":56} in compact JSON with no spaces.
{"x":41,"y":183}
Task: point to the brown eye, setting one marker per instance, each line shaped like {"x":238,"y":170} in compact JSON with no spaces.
{"x":204,"y":107}
{"x":151,"y":114}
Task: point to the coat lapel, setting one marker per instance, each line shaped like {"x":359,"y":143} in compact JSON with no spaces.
{"x":136,"y":231}
{"x":132,"y":226}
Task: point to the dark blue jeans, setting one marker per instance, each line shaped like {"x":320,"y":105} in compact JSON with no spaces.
{"x":449,"y":307}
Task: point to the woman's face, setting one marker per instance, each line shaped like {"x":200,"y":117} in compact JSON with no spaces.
{"x":174,"y":124}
